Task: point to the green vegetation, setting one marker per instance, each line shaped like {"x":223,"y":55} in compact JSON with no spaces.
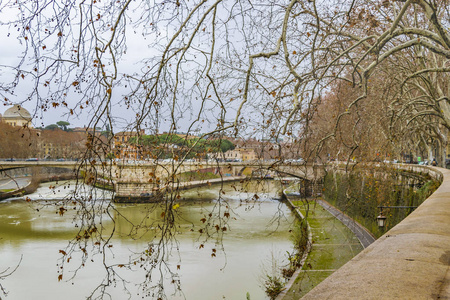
{"x":63,"y":125}
{"x":273,"y":286}
{"x":51,"y":127}
{"x":333,"y":244}
{"x":300,"y":240}
{"x":360,"y":193}
{"x":175,"y":146}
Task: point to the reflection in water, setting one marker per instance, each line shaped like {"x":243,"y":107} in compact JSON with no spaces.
{"x":256,"y":230}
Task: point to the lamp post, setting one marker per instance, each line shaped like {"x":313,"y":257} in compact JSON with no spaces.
{"x":381,"y":219}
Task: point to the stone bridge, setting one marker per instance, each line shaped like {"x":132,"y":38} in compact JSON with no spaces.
{"x":131,"y":180}
{"x":10,"y":165}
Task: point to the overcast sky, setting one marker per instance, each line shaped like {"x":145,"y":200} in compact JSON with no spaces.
{"x":137,"y":48}
{"x":229,"y":80}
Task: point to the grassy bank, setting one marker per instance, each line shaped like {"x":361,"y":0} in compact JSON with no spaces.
{"x":333,"y":244}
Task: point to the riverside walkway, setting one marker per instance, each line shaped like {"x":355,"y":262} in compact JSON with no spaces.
{"x":364,"y":237}
{"x":333,"y":244}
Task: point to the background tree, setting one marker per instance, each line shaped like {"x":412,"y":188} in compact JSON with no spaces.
{"x":51,"y":127}
{"x":63,"y":125}
{"x":18,"y":142}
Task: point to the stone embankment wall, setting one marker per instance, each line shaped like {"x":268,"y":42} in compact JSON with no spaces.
{"x":362,"y":192}
{"x":410,"y":261}
{"x":19,"y":172}
{"x":43,"y":172}
{"x":37,"y":175}
{"x":307,"y":244}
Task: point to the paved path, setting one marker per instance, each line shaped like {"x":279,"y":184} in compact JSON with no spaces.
{"x":361,"y":233}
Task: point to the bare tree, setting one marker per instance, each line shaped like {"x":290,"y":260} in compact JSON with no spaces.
{"x":226,"y":67}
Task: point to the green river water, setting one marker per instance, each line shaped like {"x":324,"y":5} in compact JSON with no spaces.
{"x":32,"y":234}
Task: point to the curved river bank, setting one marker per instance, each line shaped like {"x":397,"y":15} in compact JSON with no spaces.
{"x":257,"y":232}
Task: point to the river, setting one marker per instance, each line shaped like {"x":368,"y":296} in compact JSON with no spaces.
{"x":32,"y":233}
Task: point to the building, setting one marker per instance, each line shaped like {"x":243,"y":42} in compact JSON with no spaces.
{"x":53,"y":144}
{"x":88,"y":130}
{"x":122,"y":147}
{"x":240,"y":154}
{"x":17,"y":116}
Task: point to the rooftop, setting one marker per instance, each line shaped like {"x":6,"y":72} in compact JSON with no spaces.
{"x":17,"y":112}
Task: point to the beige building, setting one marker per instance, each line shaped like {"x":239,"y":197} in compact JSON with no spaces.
{"x":240,"y":154}
{"x":122,"y":147}
{"x":87,"y":130}
{"x":57,"y":143}
{"x":17,"y":116}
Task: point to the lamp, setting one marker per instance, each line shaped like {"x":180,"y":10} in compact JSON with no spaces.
{"x":381,"y":220}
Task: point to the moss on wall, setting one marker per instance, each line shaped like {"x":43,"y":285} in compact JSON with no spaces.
{"x":361,"y":192}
